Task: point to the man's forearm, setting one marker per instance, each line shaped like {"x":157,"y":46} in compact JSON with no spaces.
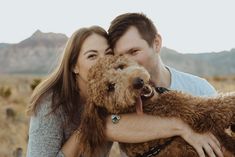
{"x":133,"y":128}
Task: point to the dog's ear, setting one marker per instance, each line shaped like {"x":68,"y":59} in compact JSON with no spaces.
{"x":92,"y":139}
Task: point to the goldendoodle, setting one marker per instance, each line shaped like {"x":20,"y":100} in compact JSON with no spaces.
{"x":118,"y":85}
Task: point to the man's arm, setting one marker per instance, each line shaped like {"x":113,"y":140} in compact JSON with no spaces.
{"x":133,"y":128}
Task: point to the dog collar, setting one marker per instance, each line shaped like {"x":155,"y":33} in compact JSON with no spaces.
{"x":161,"y":90}
{"x":156,"y":149}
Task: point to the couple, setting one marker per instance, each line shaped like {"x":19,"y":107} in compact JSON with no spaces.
{"x":57,"y":103}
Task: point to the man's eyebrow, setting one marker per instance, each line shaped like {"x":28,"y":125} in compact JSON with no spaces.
{"x":90,"y":51}
{"x":108,"y":48}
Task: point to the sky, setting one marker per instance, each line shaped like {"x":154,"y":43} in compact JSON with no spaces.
{"x":187,"y":26}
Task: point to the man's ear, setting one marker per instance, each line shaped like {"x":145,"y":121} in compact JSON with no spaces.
{"x":157,"y":43}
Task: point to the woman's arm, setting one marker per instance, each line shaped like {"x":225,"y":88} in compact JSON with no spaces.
{"x":46,"y":136}
{"x":45,"y":133}
{"x":71,"y":146}
{"x":133,"y":128}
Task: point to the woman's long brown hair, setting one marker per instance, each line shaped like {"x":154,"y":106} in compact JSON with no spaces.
{"x":62,"y":82}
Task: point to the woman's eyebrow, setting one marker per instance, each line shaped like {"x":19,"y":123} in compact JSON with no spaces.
{"x":108,"y":48}
{"x":90,"y":51}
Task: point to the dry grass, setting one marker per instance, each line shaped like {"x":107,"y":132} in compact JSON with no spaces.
{"x":14,"y":129}
{"x":13,"y":119}
{"x":223,"y":83}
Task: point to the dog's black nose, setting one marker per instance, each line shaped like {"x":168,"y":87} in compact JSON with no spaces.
{"x":138,"y":83}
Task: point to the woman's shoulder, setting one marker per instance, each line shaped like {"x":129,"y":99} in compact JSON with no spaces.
{"x":45,"y":129}
{"x":44,"y":117}
{"x":44,"y":107}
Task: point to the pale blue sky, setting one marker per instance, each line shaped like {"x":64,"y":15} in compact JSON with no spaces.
{"x":185,"y":25}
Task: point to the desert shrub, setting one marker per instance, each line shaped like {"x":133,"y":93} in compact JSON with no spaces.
{"x":219,"y":78}
{"x":5,"y":92}
{"x":18,"y":152}
{"x":10,"y":113}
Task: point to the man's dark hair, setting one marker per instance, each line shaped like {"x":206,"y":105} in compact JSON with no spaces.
{"x":123,"y":22}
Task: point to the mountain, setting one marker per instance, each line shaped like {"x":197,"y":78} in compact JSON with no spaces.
{"x":3,"y":45}
{"x":202,"y":64}
{"x":39,"y":54}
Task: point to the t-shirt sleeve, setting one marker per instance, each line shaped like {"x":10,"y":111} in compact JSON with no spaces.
{"x":207,"y":89}
{"x":45,"y":133}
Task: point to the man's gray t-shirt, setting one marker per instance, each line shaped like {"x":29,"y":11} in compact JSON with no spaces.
{"x":190,"y":83}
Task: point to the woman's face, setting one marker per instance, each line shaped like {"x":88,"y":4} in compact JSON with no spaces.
{"x":94,"y":47}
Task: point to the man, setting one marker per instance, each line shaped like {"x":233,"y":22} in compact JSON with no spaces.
{"x":134,"y":35}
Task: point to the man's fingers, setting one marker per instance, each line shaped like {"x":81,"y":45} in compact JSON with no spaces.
{"x":215,"y":140}
{"x":200,"y":152}
{"x":207,"y":148}
{"x":216,"y":149}
{"x":215,"y":144}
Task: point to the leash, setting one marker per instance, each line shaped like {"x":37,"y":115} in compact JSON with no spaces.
{"x":157,"y":149}
{"x":161,"y":90}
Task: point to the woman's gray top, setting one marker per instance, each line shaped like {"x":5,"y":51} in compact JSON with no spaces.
{"x":46,"y":134}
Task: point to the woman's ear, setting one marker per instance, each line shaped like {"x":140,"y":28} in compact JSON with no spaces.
{"x":76,"y":70}
{"x":92,"y":137}
{"x":157,"y":43}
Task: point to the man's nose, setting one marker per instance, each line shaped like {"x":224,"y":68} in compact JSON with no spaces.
{"x":101,"y":55}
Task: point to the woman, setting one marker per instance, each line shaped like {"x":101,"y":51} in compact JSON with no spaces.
{"x":57,"y":103}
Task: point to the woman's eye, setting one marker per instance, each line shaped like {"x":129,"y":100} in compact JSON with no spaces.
{"x":91,"y":56}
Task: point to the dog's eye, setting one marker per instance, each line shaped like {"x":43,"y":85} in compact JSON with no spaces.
{"x":121,"y":66}
{"x":233,"y":127}
{"x":111,"y":87}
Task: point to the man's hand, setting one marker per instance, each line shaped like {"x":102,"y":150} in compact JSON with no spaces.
{"x":202,"y":143}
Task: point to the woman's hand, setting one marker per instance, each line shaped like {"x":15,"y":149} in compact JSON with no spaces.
{"x":202,"y":143}
{"x":71,"y":146}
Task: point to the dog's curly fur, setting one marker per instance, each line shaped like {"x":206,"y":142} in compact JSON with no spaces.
{"x":111,"y":91}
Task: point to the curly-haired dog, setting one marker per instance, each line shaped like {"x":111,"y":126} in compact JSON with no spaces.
{"x":118,"y":85}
